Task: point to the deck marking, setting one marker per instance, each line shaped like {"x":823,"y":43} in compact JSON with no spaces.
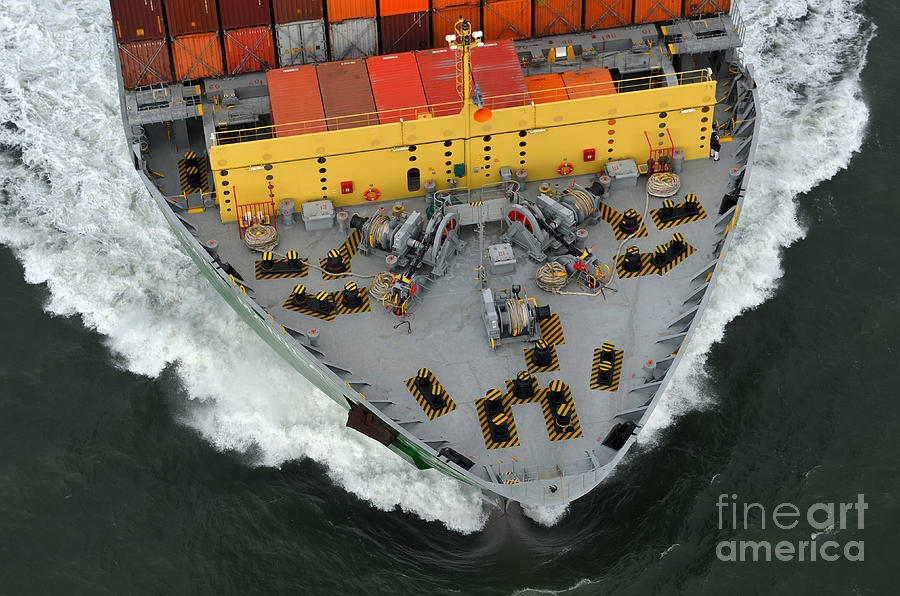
{"x":573,"y":430}
{"x":185,"y":170}
{"x":260,"y":274}
{"x":489,"y":442}
{"x":551,"y":331}
{"x":596,"y":385}
{"x":423,"y":403}
{"x":613,"y":217}
{"x":347,"y":250}
{"x":647,"y":266}
{"x":534,"y":368}
{"x":339,"y":307}
{"x":677,"y":221}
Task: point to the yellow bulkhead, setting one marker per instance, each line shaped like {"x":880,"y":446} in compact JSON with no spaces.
{"x":536,"y":137}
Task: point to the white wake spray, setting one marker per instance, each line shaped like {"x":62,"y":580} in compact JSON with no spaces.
{"x":81,"y":222}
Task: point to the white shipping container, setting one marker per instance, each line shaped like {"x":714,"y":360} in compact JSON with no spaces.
{"x":301,"y":42}
{"x":354,"y":38}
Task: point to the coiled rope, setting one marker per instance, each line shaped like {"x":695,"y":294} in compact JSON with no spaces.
{"x":377,"y":228}
{"x":664,"y":184}
{"x":380,"y":287}
{"x":551,"y":277}
{"x":518,"y":315}
{"x":582,"y":201}
{"x":261,"y":238}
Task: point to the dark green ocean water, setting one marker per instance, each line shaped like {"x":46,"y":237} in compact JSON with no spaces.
{"x":106,"y":489}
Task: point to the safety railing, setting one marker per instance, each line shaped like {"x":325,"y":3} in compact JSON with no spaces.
{"x":434,"y":110}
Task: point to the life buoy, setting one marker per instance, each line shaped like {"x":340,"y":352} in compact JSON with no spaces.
{"x":372,"y":194}
{"x":565,"y":168}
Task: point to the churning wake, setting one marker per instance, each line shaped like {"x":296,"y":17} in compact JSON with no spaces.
{"x":80,"y":221}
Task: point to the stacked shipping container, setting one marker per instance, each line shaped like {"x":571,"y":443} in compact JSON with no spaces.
{"x":397,"y":87}
{"x":445,"y":14}
{"x":295,"y":100}
{"x":552,"y":17}
{"x":199,"y":30}
{"x":497,"y":71}
{"x":353,"y":28}
{"x":438,"y":71}
{"x":346,"y":94}
{"x":507,"y":19}
{"x":196,"y":43}
{"x":404,"y":25}
{"x":299,"y":31}
{"x":141,"y":40}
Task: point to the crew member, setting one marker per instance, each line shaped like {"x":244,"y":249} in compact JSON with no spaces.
{"x":714,"y":146}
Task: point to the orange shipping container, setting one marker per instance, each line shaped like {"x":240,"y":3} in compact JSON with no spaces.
{"x":552,"y":17}
{"x":602,"y":14}
{"x":341,"y":10}
{"x":507,"y":19}
{"x":589,"y":82}
{"x":444,"y":19}
{"x":546,"y":88}
{"x":295,"y":100}
{"x":197,"y":55}
{"x":249,"y":49}
{"x":448,"y":3}
{"x":145,"y":63}
{"x":387,"y":8}
{"x":653,"y":11}
{"x":692,"y":8}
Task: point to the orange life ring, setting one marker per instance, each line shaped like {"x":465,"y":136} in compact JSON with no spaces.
{"x":372,"y":194}
{"x":565,"y":168}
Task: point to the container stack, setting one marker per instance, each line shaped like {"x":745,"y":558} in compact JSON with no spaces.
{"x":498,"y":73}
{"x":693,"y":8}
{"x":196,"y":43}
{"x":346,"y":94}
{"x":295,"y":100}
{"x":652,"y":11}
{"x":603,"y":14}
{"x":445,"y":14}
{"x":141,"y":40}
{"x":507,"y":19}
{"x":438,"y":71}
{"x":552,"y":17}
{"x":247,"y":30}
{"x":299,"y":31}
{"x":353,"y":28}
{"x":404,"y":25}
{"x":397,"y":88}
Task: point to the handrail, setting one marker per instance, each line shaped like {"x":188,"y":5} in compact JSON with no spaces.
{"x":426,"y":111}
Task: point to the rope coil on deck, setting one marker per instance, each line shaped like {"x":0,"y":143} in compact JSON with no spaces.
{"x":663,"y":184}
{"x":518,"y":315}
{"x":551,"y":277}
{"x":380,"y":287}
{"x":261,"y":238}
{"x":378,"y":227}
{"x":582,"y":201}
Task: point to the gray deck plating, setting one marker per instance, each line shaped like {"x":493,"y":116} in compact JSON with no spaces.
{"x":447,"y":335}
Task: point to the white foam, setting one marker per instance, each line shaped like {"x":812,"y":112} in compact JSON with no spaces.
{"x":80,"y":221}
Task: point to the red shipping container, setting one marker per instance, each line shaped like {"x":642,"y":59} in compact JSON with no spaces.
{"x":602,"y":14}
{"x":397,"y":87}
{"x":240,"y":14}
{"x":249,"y":49}
{"x":507,"y":19}
{"x":135,"y":20}
{"x":145,"y":63}
{"x":443,"y":22}
{"x":197,"y":55}
{"x":346,"y":94}
{"x":498,"y":73}
{"x":288,"y":11}
{"x":405,"y":32}
{"x":589,"y":82}
{"x":295,"y":100}
{"x":552,"y":17}
{"x":438,"y":71}
{"x":693,"y":8}
{"x":546,"y":88}
{"x":653,"y":11}
{"x":191,"y":16}
{"x":447,"y":3}
{"x":341,"y":10}
{"x":388,"y":8}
